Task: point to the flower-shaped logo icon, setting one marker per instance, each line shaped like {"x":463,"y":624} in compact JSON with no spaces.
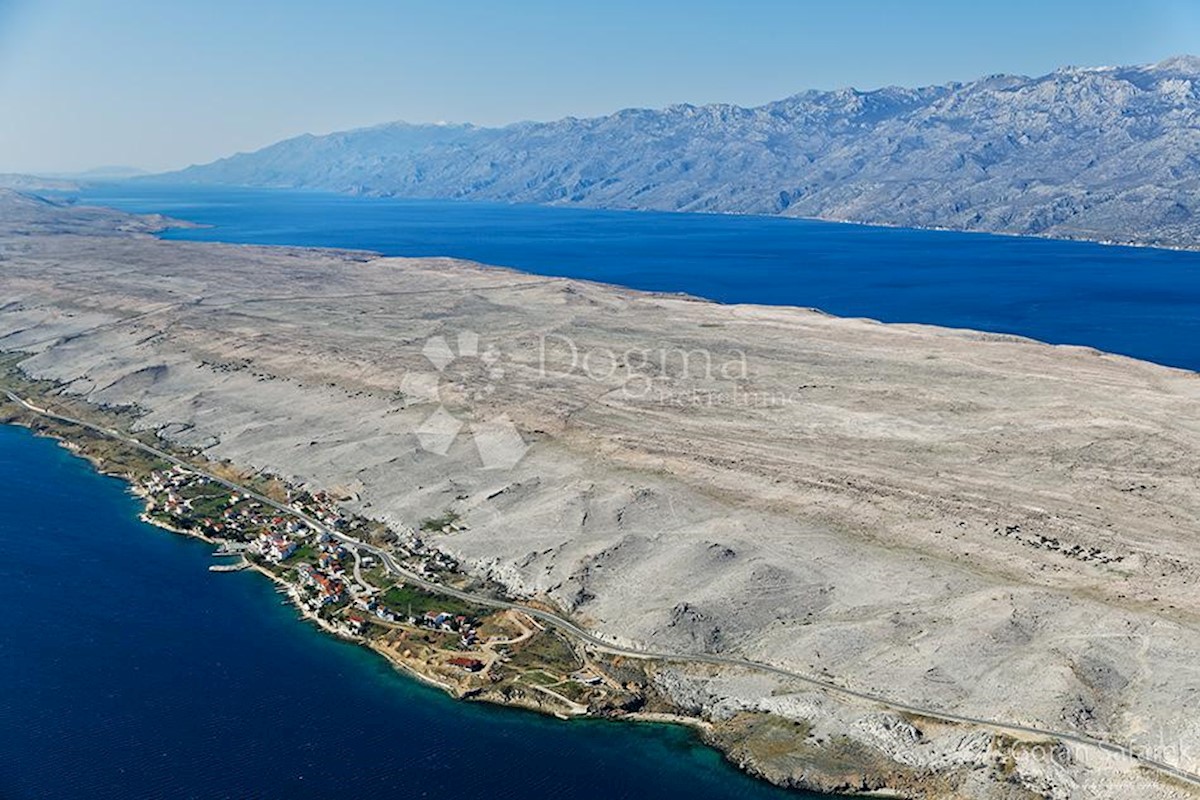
{"x":497,"y":440}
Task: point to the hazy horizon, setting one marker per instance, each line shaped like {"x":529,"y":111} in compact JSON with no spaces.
{"x":135,"y":84}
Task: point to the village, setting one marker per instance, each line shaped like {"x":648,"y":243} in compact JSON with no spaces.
{"x":469,"y":650}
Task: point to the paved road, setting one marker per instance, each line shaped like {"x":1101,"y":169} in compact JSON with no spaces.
{"x":599,"y":644}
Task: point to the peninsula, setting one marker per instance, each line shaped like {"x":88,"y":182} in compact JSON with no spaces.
{"x":840,"y":548}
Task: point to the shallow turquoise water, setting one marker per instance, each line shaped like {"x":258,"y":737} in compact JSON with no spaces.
{"x":130,"y":671}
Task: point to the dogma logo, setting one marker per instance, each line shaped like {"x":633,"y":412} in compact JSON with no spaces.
{"x":497,"y":440}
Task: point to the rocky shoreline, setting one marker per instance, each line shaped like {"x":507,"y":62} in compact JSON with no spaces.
{"x":821,"y":772}
{"x":778,"y":748}
{"x":296,"y":597}
{"x":859,"y":532}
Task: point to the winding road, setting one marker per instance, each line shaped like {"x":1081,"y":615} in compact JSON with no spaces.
{"x":599,"y":644}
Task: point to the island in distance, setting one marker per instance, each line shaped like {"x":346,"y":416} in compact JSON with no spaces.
{"x":851,"y":544}
{"x":1104,"y":154}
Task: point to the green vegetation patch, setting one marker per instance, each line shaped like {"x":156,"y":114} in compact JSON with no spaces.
{"x":549,"y":651}
{"x":403,"y":598}
{"x":540,"y":678}
{"x":438,"y":523}
{"x":304,"y":552}
{"x":210,"y":506}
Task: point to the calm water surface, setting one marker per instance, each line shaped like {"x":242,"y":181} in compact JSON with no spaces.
{"x":1135,"y":301}
{"x":130,"y":671}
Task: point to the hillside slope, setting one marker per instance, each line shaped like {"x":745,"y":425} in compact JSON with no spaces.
{"x":1106,"y":153}
{"x":972,"y":523}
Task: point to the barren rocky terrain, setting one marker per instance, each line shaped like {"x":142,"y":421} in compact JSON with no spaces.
{"x":979,"y":524}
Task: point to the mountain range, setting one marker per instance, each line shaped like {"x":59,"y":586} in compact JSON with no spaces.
{"x":1107,"y":153}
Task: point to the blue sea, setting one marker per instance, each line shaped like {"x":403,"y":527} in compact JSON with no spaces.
{"x":130,"y":671}
{"x":1139,"y":302}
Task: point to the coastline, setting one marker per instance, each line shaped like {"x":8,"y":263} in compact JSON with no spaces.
{"x":175,"y":682}
{"x":1082,"y":238}
{"x":409,"y":667}
{"x":307,"y":615}
{"x":291,"y":590}
{"x":752,"y":726}
{"x":747,"y":739}
{"x":827,"y":779}
{"x":982,"y":318}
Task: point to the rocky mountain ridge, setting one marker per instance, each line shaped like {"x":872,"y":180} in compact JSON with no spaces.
{"x":1109,"y":153}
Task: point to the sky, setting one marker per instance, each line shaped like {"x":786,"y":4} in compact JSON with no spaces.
{"x":160,"y":85}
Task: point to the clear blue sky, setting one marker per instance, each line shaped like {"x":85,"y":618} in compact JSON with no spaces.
{"x":166,"y":83}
